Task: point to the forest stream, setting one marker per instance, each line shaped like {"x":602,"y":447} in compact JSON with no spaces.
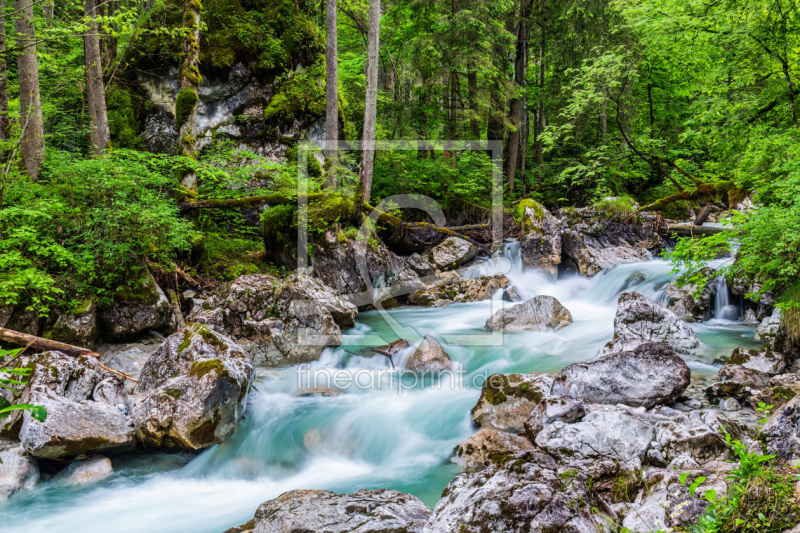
{"x":383,"y":431}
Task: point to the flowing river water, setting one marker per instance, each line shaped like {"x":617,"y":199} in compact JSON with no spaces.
{"x":380,"y":429}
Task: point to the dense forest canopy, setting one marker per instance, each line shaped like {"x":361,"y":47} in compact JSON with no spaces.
{"x":667,"y":104}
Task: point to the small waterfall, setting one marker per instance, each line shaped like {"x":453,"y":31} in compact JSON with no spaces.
{"x":723,"y":309}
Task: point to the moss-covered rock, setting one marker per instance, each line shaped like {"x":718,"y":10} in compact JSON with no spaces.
{"x":507,"y":400}
{"x":193,"y":390}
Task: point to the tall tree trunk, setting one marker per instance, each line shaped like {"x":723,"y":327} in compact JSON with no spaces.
{"x":472,"y":91}
{"x":99,"y":135}
{"x":785,"y":68}
{"x":371,"y":104}
{"x":525,"y":117}
{"x":30,"y":114}
{"x":331,"y":89}
{"x":540,"y":114}
{"x":186,"y":102}
{"x":5,"y":122}
{"x":516,"y":104}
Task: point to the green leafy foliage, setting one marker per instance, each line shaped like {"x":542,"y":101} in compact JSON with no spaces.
{"x":8,"y":382}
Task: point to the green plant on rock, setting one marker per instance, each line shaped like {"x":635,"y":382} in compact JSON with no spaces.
{"x":185,"y":104}
{"x":10,"y":382}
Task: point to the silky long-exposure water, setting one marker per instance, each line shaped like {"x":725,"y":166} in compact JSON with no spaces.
{"x":373,"y":428}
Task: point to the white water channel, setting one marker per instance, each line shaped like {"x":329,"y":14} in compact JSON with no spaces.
{"x":378,"y":435}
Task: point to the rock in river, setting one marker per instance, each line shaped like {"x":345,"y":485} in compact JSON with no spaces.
{"x":649,"y":375}
{"x":193,"y":390}
{"x":322,"y":511}
{"x":541,"y":313}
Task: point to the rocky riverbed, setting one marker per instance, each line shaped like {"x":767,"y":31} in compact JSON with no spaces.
{"x":535,"y":396}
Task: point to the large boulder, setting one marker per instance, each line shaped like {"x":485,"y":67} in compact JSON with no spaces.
{"x":193,"y":390}
{"x":540,"y":238}
{"x":486,"y":447}
{"x":769,"y":362}
{"x":687,"y":304}
{"x":593,"y":241}
{"x":649,"y":375}
{"x":781,"y":433}
{"x":87,"y":408}
{"x":338,"y":265}
{"x":429,"y":357}
{"x":541,"y":313}
{"x":605,"y":442}
{"x":450,"y":288}
{"x":507,"y":400}
{"x":640,"y":320}
{"x":77,"y":326}
{"x":779,"y":390}
{"x":323,"y":511}
{"x":771,"y":331}
{"x":452,"y":253}
{"x":525,"y":492}
{"x":17,"y":472}
{"x":142,"y":305}
{"x":279,"y":321}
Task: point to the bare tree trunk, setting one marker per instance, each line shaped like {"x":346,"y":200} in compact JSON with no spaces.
{"x":331,"y":89}
{"x":99,"y":135}
{"x":525,"y":117}
{"x":186,"y":102}
{"x":371,"y":104}
{"x":540,"y":114}
{"x":32,"y":136}
{"x":5,"y":123}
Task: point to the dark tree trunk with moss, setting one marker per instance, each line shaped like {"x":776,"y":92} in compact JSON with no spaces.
{"x":186,"y":102}
{"x":370,"y":109}
{"x":99,"y":135}
{"x":5,"y":123}
{"x":30,"y":114}
{"x":514,"y":136}
{"x":331,"y":89}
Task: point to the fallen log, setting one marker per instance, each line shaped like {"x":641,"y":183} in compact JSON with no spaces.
{"x":690,"y":230}
{"x":39,"y":343}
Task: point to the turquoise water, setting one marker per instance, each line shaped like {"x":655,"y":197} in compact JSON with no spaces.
{"x":380,"y":429}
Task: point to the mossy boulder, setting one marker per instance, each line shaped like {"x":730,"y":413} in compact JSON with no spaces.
{"x":507,"y":400}
{"x":77,"y":326}
{"x":192,"y":390}
{"x":540,"y":237}
{"x":138,"y":306}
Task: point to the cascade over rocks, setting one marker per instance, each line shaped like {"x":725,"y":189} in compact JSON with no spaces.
{"x":507,"y":400}
{"x":687,"y":307}
{"x":323,"y":511}
{"x":648,"y":375}
{"x":525,"y":492}
{"x":87,"y":408}
{"x":540,"y":238}
{"x":193,"y":390}
{"x":279,"y":321}
{"x":641,"y":320}
{"x":541,"y":313}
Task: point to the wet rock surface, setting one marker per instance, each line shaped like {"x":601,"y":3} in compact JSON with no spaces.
{"x":192,"y":391}
{"x":488,"y":446}
{"x":541,"y":313}
{"x":323,"y":511}
{"x":279,"y":322}
{"x":650,"y":374}
{"x":17,"y":472}
{"x":640,"y":320}
{"x":507,"y":400}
